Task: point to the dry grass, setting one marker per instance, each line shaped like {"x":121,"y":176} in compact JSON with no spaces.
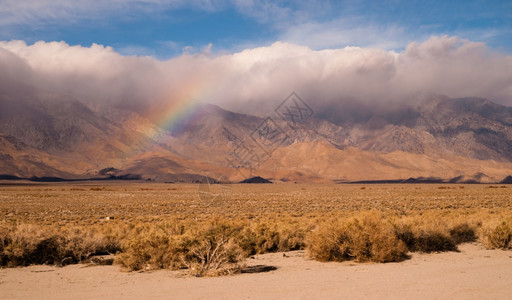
{"x":87,"y":203}
{"x":161,"y":226}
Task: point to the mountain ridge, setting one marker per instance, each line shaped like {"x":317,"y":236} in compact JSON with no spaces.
{"x":45,"y":135}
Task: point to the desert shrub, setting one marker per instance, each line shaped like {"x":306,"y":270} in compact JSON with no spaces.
{"x":79,"y":244}
{"x":329,"y":242}
{"x":374,"y":241}
{"x":293,"y":238}
{"x":154,"y":251}
{"x":369,"y":238}
{"x":160,"y":246}
{"x":214,"y":252}
{"x":433,"y":241}
{"x":3,"y":258}
{"x":247,"y":241}
{"x":463,"y":233}
{"x":404,"y":233}
{"x":28,"y":244}
{"x":499,"y":237}
{"x":271,"y":235}
{"x":207,"y":249}
{"x":267,"y":238}
{"x":47,"y":251}
{"x":216,"y":246}
{"x":424,"y":235}
{"x":4,"y":232}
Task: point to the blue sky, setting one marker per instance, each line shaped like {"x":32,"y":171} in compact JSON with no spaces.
{"x":167,"y":28}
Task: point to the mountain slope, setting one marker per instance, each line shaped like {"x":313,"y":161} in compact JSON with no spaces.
{"x":48,"y":126}
{"x":42,"y":134}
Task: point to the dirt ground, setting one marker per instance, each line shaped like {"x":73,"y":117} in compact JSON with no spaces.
{"x":472,"y":273}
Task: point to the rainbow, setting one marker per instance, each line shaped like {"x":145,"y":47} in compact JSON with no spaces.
{"x":180,"y":105}
{"x":177,"y":106}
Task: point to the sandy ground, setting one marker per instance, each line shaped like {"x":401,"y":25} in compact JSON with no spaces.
{"x":472,"y":273}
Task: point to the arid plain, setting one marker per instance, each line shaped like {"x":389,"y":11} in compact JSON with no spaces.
{"x":386,"y":240}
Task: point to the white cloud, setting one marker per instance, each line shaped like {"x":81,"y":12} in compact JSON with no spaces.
{"x":346,"y":32}
{"x":258,"y":79}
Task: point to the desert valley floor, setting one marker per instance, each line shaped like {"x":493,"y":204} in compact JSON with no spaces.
{"x":286,"y":214}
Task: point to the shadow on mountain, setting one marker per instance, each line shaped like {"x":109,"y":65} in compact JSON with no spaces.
{"x":507,"y":180}
{"x":256,"y":179}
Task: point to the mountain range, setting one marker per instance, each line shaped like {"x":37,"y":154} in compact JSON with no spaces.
{"x":436,"y":138}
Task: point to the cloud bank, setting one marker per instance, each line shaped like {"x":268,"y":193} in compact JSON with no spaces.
{"x":256,"y":80}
